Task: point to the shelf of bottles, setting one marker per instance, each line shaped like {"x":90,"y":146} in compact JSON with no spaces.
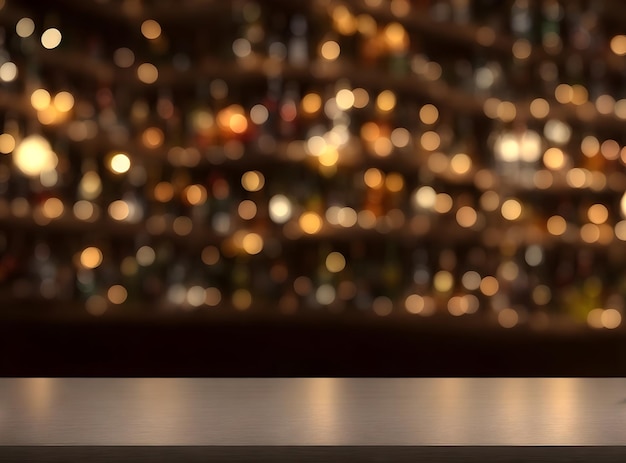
{"x":388,"y":158}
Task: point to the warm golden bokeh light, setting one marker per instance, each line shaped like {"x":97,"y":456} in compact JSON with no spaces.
{"x":119,"y":163}
{"x":117,"y":294}
{"x":253,"y":180}
{"x":51,"y":38}
{"x":618,"y":45}
{"x":310,"y":223}
{"x":91,"y":257}
{"x":330,"y":50}
{"x":151,"y":29}
{"x":386,"y":101}
{"x":335,"y":262}
{"x":147,"y":73}
{"x":556,"y":225}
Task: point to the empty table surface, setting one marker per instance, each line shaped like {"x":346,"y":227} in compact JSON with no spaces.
{"x":313,"y":411}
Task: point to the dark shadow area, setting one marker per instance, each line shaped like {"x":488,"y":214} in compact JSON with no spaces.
{"x":299,"y":347}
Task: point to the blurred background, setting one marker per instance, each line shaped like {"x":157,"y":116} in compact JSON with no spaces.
{"x":323,"y":187}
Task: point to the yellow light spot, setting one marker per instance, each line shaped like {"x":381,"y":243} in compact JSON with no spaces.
{"x":396,"y":37}
{"x":383,"y":146}
{"x":489,"y":286}
{"x":580,"y":95}
{"x":247,"y":209}
{"x":238,"y":123}
{"x":152,"y":137}
{"x":8,"y":71}
{"x":522,"y":49}
{"x":51,"y":38}
{"x":91,"y":257}
{"x":556,"y":225}
{"x":511,"y":209}
{"x":310,"y":223}
{"x":507,"y":111}
{"x":414,"y":304}
{"x":590,"y":233}
{"x":147,"y":73}
{"x":373,"y":178}
{"x":610,"y":149}
{"x":253,"y":180}
{"x":490,"y":201}
{"x":119,"y":210}
{"x":577,"y":177}
{"x":394,"y":182}
{"x":386,"y":101}
{"x":151,"y":29}
{"x":195,"y":194}
{"x":52,"y":208}
{"x":539,"y":108}
{"x":443,"y":281}
{"x":430,"y":140}
{"x":40,"y":99}
{"x":7,"y":143}
{"x":554,"y":158}
{"x":25,"y":27}
{"x":344,"y":99}
{"x":611,"y":319}
{"x":370,"y":131}
{"x":466,"y":216}
{"x":120,"y":163}
{"x":590,"y":146}
{"x":366,"y":25}
{"x":252,"y":243}
{"x":598,"y":213}
{"x":311,"y":103}
{"x":329,"y":156}
{"x":163,"y":192}
{"x":491,"y":107}
{"x":83,"y":210}
{"x":400,"y":137}
{"x":34,"y":155}
{"x":605,"y":104}
{"x":443,"y":203}
{"x":280,"y":208}
{"x":461,"y":163}
{"x":335,"y":262}
{"x":361,"y":97}
{"x":117,"y":294}
{"x":48,"y":116}
{"x":620,"y":230}
{"x":330,"y":50}
{"x":564,"y":93}
{"x":618,"y":45}
{"x":594,"y":318}
{"x":64,"y":101}
{"x":212,"y":296}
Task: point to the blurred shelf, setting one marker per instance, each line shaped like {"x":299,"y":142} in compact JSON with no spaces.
{"x":473,"y":36}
